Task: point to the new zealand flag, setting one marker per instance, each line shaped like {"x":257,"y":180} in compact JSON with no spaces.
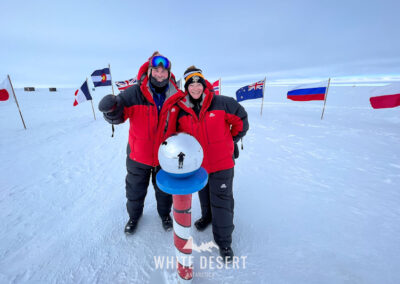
{"x":253,"y":91}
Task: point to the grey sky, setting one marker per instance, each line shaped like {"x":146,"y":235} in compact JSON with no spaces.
{"x":59,"y":43}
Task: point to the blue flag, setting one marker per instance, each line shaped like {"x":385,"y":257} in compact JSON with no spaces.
{"x":249,"y":92}
{"x":101,"y":77}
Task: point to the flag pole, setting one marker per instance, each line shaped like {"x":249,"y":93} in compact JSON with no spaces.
{"x":112,"y":125}
{"x":262,"y":101}
{"x":220,"y":86}
{"x":91,"y":99}
{"x":16,"y":101}
{"x":112,"y":86}
{"x":326,"y":95}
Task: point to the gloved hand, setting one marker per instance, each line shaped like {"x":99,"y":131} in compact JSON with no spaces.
{"x":108,"y":104}
{"x":112,"y":109}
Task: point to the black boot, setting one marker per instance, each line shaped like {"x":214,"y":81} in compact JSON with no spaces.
{"x":226,"y":254}
{"x":166,"y":222}
{"x":130,"y":227}
{"x":202,"y":223}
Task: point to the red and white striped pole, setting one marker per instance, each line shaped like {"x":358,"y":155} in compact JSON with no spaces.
{"x":182,"y":236}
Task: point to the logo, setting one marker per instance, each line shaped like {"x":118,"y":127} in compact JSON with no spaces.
{"x":190,"y":244}
{"x":173,"y":109}
{"x":212,"y":115}
{"x":223,"y":185}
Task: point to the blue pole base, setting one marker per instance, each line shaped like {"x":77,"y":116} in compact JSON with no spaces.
{"x":181,"y":186}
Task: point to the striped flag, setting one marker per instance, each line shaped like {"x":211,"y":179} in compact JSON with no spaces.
{"x":308,"y":92}
{"x":82,"y":94}
{"x":123,"y":85}
{"x":389,"y":96}
{"x":217,"y":87}
{"x":101,"y":77}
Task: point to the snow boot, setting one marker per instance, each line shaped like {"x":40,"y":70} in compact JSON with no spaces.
{"x":166,"y":222}
{"x":202,"y":223}
{"x":130,"y":227}
{"x":226,"y":254}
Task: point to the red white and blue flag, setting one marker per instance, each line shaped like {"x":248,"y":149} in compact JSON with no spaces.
{"x":389,"y":96}
{"x":217,"y":87}
{"x":82,"y":94}
{"x":123,"y":85}
{"x":253,"y":91}
{"x":5,"y":90}
{"x":308,"y":92}
{"x":101,"y":77}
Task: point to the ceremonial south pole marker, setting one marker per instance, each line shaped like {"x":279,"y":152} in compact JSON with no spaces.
{"x":180,"y":158}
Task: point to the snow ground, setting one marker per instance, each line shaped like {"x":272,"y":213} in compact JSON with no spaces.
{"x":316,"y":201}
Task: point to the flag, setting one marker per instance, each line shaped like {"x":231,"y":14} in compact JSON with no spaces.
{"x":216,"y":87}
{"x":308,"y":92}
{"x":101,"y":77}
{"x":5,"y":90}
{"x":122,"y":85}
{"x":389,"y":96}
{"x":253,"y":91}
{"x":82,"y":94}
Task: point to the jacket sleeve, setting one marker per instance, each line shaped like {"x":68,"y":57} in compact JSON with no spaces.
{"x":236,"y":116}
{"x":123,"y":107}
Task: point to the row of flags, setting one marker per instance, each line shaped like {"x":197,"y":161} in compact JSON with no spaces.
{"x":386,"y":97}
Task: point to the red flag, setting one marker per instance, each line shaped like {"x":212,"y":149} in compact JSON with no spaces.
{"x":216,"y":86}
{"x":5,"y":90}
{"x":389,"y":96}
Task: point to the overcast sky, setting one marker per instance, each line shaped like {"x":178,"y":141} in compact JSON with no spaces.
{"x":59,"y":43}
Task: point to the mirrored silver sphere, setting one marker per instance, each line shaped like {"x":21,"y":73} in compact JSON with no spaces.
{"x":180,"y":155}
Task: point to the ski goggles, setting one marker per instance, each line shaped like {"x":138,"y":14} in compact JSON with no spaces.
{"x":160,"y":61}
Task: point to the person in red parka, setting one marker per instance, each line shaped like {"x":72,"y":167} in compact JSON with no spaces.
{"x":152,"y":113}
{"x":218,"y":123}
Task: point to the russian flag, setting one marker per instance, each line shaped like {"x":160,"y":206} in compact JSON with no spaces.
{"x":389,"y":96}
{"x":308,"y":92}
{"x":101,"y":77}
{"x":82,"y":94}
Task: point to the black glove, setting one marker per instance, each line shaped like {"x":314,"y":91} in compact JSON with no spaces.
{"x":108,"y":104}
{"x":236,"y":151}
{"x":112,"y":108}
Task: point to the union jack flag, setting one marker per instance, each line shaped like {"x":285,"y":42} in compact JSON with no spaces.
{"x":216,"y":86}
{"x":255,"y":86}
{"x":122,"y":85}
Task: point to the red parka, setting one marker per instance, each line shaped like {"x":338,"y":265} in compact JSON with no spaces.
{"x":222,"y":120}
{"x":148,"y":129}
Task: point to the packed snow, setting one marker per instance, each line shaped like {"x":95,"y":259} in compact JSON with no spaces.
{"x":316,"y":201}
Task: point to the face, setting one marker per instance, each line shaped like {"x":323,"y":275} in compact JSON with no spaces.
{"x":195,"y":90}
{"x":159,"y":73}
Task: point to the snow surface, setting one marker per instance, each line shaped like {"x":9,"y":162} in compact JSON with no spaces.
{"x":317,"y":201}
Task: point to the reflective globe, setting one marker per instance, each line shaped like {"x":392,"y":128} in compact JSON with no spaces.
{"x":180,"y":155}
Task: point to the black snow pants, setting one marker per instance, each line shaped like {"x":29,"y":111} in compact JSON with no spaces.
{"x":216,"y":199}
{"x":136,"y":182}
